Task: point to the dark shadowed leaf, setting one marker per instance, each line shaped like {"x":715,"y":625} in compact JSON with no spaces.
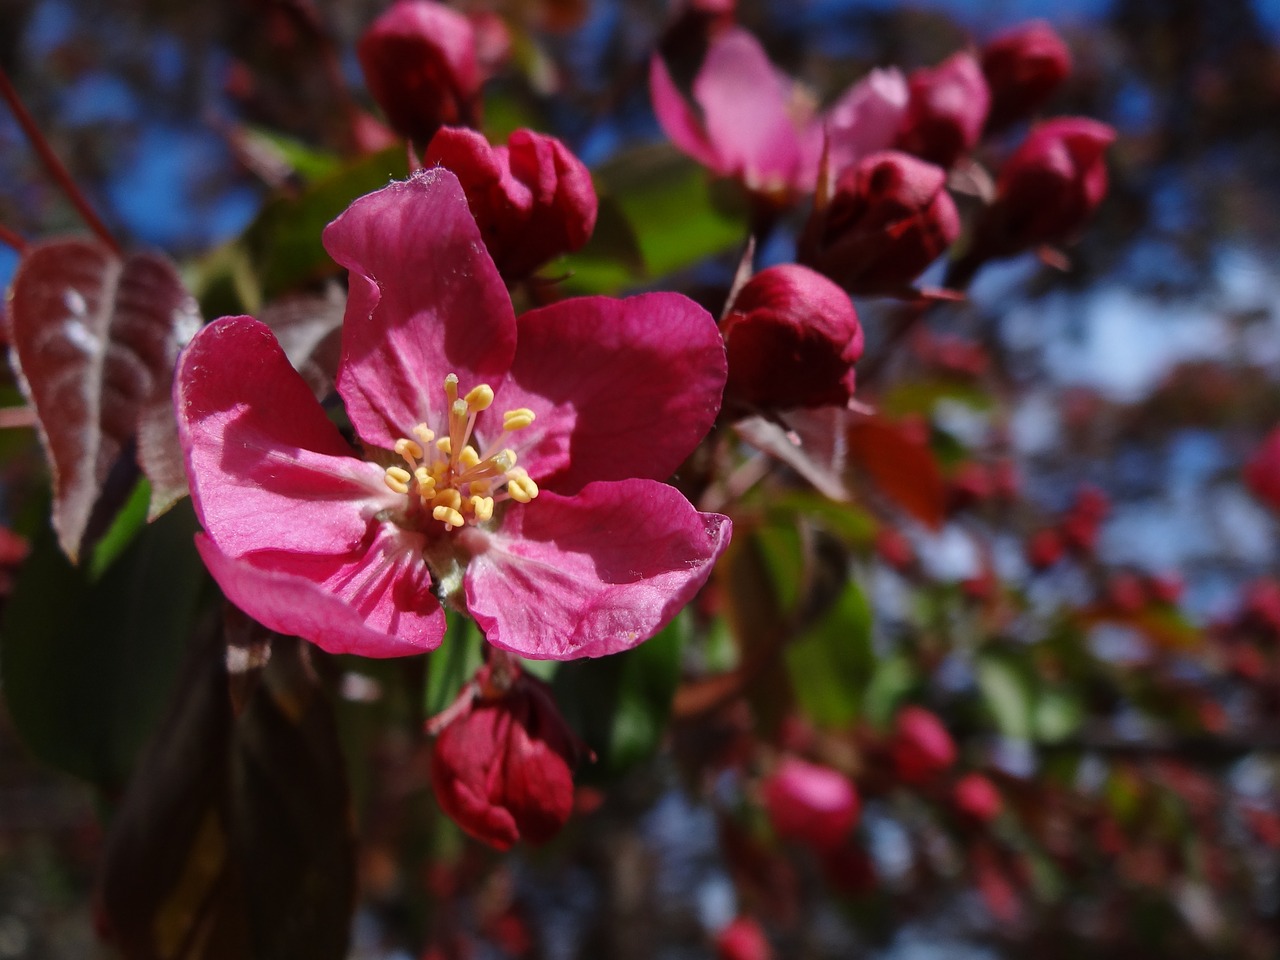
{"x":235,"y":840}
{"x":903,"y":469}
{"x":831,"y":662}
{"x":94,"y":342}
{"x":309,"y":330}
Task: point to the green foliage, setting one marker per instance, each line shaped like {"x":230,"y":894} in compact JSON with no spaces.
{"x":831,"y":663}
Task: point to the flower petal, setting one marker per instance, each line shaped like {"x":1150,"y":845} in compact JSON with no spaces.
{"x":590,"y":575}
{"x":750,"y":112}
{"x":268,"y":470}
{"x":866,"y":118}
{"x":679,"y":121}
{"x":372,"y":603}
{"x":622,"y":388}
{"x":425,"y":300}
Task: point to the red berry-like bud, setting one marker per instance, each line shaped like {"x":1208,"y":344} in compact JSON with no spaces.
{"x":921,"y":747}
{"x":1023,"y":67}
{"x":1126,"y":594}
{"x":533,"y":199}
{"x":419,"y":61}
{"x":947,"y":110}
{"x":976,"y":798}
{"x":894,"y":549}
{"x":792,"y":337}
{"x":1044,"y":548}
{"x":743,"y":939}
{"x":810,"y":804}
{"x":888,"y":218}
{"x":503,"y":769}
{"x":1262,"y":473}
{"x":1048,"y":189}
{"x":971,"y":484}
{"x":1166,"y":588}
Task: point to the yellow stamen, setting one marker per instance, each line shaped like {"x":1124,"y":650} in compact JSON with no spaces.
{"x":481,"y":508}
{"x":468,"y":457}
{"x":397,"y":479}
{"x":444,"y":446}
{"x":426,"y":482}
{"x":520,"y":486}
{"x":479,"y":398}
{"x":410,"y":450}
{"x":449,"y":517}
{"x":424,"y":434}
{"x":448,"y":497}
{"x":517,"y":419}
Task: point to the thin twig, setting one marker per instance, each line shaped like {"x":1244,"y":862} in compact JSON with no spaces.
{"x":11,"y":239}
{"x":53,"y":165}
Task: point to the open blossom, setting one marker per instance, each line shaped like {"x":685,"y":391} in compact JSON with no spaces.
{"x":751,"y":122}
{"x":513,"y":467}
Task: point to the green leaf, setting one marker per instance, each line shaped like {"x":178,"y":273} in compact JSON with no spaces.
{"x":832,"y":662}
{"x":283,"y":243}
{"x":845,"y":521}
{"x":1058,"y":714}
{"x":1009,"y":695}
{"x":620,"y":704}
{"x":892,"y":679}
{"x":87,"y":664}
{"x":303,"y":159}
{"x":452,"y":664}
{"x":131,"y":518}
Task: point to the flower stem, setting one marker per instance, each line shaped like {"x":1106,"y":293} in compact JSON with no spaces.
{"x":53,"y":165}
{"x":11,"y":239}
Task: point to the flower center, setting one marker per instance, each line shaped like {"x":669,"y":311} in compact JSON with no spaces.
{"x":451,"y":479}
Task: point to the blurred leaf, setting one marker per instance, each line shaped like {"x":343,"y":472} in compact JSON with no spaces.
{"x":1009,"y":695}
{"x":891,"y":680}
{"x":452,"y":664}
{"x":903,"y":469}
{"x":1058,"y":714}
{"x":300,"y":158}
{"x":620,"y":704}
{"x":88,"y":665}
{"x":849,"y":523}
{"x":94,"y":340}
{"x":831,"y":663}
{"x":283,"y":243}
{"x":234,"y":839}
{"x":309,"y":328}
{"x":922,"y":396}
{"x":609,"y":262}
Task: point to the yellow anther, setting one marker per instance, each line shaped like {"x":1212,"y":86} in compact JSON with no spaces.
{"x":521,"y":486}
{"x":505,"y":460}
{"x":444,"y":446}
{"x":426,"y":482}
{"x":518,"y":418}
{"x":468,"y":457}
{"x":448,"y":516}
{"x":424,"y":434}
{"x":481,"y":508}
{"x":479,"y":398}
{"x":480,"y":488}
{"x":449,"y":497}
{"x":409,"y":449}
{"x":397,"y":479}
{"x":451,"y":387}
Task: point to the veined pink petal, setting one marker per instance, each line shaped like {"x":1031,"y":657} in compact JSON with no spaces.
{"x":372,"y":604}
{"x":866,"y":118}
{"x":268,"y":470}
{"x":425,"y":301}
{"x":679,"y":120}
{"x":622,"y":388}
{"x":593,"y":574}
{"x":750,"y":112}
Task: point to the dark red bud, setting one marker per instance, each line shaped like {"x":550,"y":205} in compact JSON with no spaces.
{"x":895,"y":549}
{"x":1166,"y":588}
{"x":419,"y":61}
{"x":921,"y":747}
{"x":1044,"y":549}
{"x":810,"y":804}
{"x":1023,"y":67}
{"x":976,"y":798}
{"x":1262,"y":473}
{"x":743,"y":939}
{"x":971,"y":484}
{"x":947,"y":110}
{"x":503,"y":769}
{"x":792,"y":337}
{"x":888,"y":218}
{"x":1125,"y":593}
{"x":533,"y":199}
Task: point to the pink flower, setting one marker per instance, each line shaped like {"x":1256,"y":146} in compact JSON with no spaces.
{"x":811,"y":804}
{"x":792,"y":337}
{"x":419,"y":60}
{"x":1262,"y":472}
{"x":533,"y":199}
{"x":752,"y":123}
{"x":947,"y":110}
{"x":579,"y":550}
{"x":921,"y":747}
{"x":743,"y":939}
{"x":1023,"y":67}
{"x":503,"y":769}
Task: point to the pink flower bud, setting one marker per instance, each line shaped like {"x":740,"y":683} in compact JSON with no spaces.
{"x":743,"y":939}
{"x":947,"y":110}
{"x":810,"y":804}
{"x":888,"y":218}
{"x":1044,"y":548}
{"x":895,"y":549}
{"x":792,"y":337}
{"x":921,"y":747}
{"x":1023,"y":67}
{"x":533,"y":199}
{"x":419,"y":61}
{"x":502,"y":770}
{"x":976,"y":798}
{"x":1262,"y":473}
{"x":1048,"y":189}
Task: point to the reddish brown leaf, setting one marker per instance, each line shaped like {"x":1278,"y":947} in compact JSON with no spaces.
{"x":309,"y":330}
{"x":94,"y":340}
{"x":901,"y":466}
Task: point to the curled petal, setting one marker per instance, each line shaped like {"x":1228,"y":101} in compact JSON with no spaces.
{"x":866,"y":118}
{"x":425,"y":301}
{"x":268,"y":470}
{"x":679,"y":120}
{"x":372,"y":603}
{"x":593,"y":574}
{"x":622,"y":388}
